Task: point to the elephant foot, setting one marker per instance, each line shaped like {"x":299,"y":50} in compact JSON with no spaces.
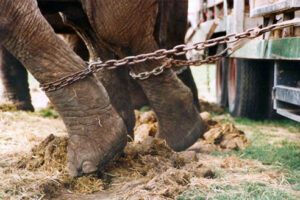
{"x":179,"y":122}
{"x":24,"y":105}
{"x":19,"y":102}
{"x":182,"y":128}
{"x":106,"y":138}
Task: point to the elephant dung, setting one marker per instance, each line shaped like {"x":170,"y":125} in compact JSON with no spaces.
{"x":226,"y":136}
{"x":51,"y":149}
{"x":218,"y":136}
{"x":210,"y":107}
{"x":146,"y":125}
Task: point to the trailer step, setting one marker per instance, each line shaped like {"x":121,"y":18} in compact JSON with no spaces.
{"x":288,"y":94}
{"x":286,"y":90}
{"x":289,"y":114}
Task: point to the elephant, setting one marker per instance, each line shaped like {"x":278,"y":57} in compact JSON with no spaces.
{"x":169,"y":31}
{"x":14,"y":75}
{"x":170,"y":28}
{"x":97,"y":110}
{"x":15,"y":78}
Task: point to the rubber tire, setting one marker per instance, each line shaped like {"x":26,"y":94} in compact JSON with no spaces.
{"x":222,"y":66}
{"x":251,"y":95}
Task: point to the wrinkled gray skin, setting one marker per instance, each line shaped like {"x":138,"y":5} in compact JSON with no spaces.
{"x":96,"y":119}
{"x":170,"y":28}
{"x":14,"y":76}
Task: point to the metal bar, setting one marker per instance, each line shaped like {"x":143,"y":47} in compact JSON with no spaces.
{"x":276,"y":7}
{"x":289,"y":114}
{"x":277,"y":49}
{"x":288,"y":94}
{"x":276,"y":74}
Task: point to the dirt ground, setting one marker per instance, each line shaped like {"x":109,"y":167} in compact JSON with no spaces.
{"x":33,"y":158}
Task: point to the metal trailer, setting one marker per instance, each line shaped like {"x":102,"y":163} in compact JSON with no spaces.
{"x":262,"y":77}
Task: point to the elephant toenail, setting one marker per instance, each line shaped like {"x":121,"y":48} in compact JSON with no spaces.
{"x":88,"y":167}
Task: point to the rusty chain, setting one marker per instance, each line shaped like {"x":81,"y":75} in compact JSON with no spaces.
{"x":160,"y":54}
{"x":156,"y":71}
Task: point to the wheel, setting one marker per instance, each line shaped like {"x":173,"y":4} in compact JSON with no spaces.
{"x":221,"y":79}
{"x":249,"y":88}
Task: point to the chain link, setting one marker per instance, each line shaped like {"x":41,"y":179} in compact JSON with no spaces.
{"x":160,"y":54}
{"x":156,"y":71}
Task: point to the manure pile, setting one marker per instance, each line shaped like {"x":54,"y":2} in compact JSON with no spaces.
{"x":147,"y":169}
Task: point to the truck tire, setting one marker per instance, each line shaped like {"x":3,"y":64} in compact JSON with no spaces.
{"x":221,"y":79}
{"x":249,"y":88}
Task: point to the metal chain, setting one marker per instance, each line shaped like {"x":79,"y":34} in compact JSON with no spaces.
{"x":156,"y":71}
{"x":178,"y":50}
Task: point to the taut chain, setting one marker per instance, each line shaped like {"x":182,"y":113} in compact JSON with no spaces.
{"x":178,"y":50}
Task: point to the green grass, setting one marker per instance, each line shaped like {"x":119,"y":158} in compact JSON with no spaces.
{"x":284,"y":155}
{"x":247,"y":191}
{"x":145,"y":109}
{"x":46,"y":112}
{"x":292,"y":126}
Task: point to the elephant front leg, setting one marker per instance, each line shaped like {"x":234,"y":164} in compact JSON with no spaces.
{"x":97,"y":133}
{"x":187,"y":78}
{"x":14,"y":78}
{"x":179,"y":122}
{"x":116,"y":82}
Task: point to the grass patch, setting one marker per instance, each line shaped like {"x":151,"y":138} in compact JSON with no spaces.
{"x":285,"y":155}
{"x":227,"y":192}
{"x":145,"y":109}
{"x":292,"y":126}
{"x":46,"y":112}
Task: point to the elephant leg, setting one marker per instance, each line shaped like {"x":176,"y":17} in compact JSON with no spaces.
{"x":127,"y":34}
{"x":116,"y":84}
{"x":139,"y":98}
{"x":77,"y":44}
{"x":97,"y":133}
{"x":170,"y":28}
{"x":178,"y":120}
{"x":115,"y":81}
{"x":137,"y":95}
{"x":187,"y":78}
{"x":14,"y":78}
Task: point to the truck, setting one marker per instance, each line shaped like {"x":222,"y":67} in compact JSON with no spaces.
{"x":261,"y":78}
